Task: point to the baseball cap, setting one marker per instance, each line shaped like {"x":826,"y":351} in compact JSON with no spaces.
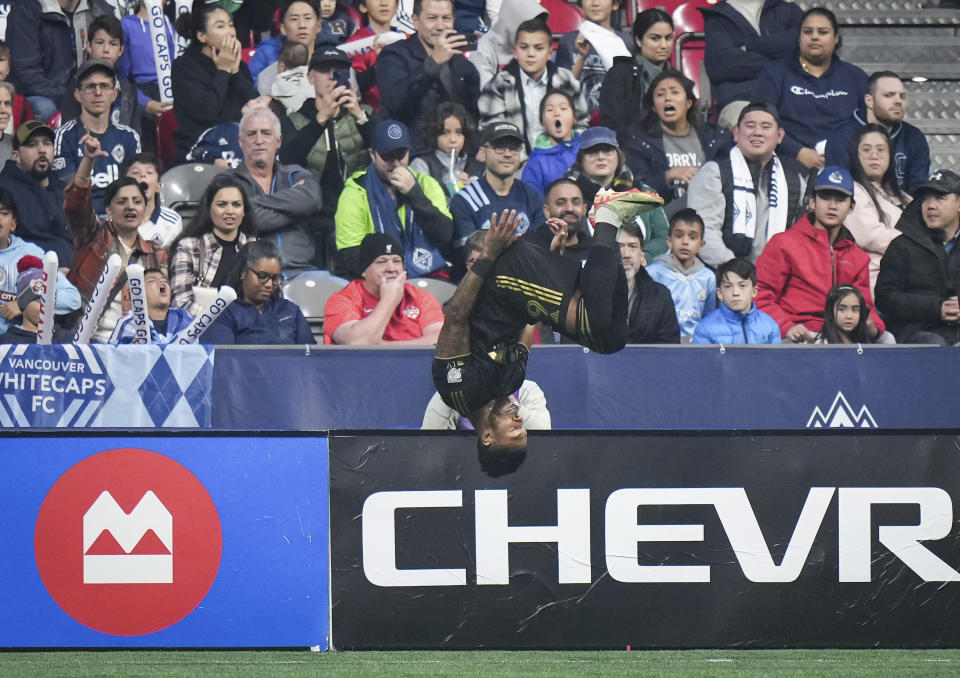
{"x":941,"y":181}
{"x":759,"y":106}
{"x":27,"y":130}
{"x":389,"y":135}
{"x":598,"y":136}
{"x":376,"y":245}
{"x":91,"y":65}
{"x":500,"y":130}
{"x":834,"y":178}
{"x":329,"y":57}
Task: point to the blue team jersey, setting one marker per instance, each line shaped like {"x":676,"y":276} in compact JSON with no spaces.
{"x":220,"y":141}
{"x":119,"y":141}
{"x":472,"y":206}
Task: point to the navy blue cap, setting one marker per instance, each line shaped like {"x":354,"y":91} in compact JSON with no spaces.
{"x":389,"y":135}
{"x":834,"y":178}
{"x":598,"y":136}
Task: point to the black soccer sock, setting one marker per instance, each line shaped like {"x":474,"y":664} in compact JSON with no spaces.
{"x":602,"y":310}
{"x":605,"y":235}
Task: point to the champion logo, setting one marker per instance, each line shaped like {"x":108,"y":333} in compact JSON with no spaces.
{"x":841,"y":415}
{"x":394,"y":132}
{"x":128,"y":542}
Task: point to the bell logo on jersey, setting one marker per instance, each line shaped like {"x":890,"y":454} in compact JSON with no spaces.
{"x":107,"y":177}
{"x":128,"y":542}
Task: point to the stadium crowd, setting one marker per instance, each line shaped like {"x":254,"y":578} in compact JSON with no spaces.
{"x":370,"y":142}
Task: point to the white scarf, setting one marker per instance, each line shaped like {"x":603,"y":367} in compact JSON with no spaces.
{"x":745,"y":198}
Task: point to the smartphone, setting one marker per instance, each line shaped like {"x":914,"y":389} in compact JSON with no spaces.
{"x":471,"y":45}
{"x":342,"y":77}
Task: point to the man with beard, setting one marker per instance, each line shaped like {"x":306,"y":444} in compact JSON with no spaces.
{"x":40,"y":217}
{"x":496,"y":190}
{"x":478,"y":363}
{"x":565,"y":211}
{"x":885,"y":104}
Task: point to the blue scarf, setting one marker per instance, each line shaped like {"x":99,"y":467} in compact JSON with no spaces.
{"x":420,"y":256}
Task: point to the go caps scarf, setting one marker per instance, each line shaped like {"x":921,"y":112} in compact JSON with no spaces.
{"x":420,"y":256}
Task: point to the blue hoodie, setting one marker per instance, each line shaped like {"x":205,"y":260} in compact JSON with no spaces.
{"x":68,"y":298}
{"x":910,"y":153}
{"x":810,"y":107}
{"x":549,"y":163}
{"x":725,"y":326}
{"x":694,"y":290}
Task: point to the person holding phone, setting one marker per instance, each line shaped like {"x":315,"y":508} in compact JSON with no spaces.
{"x":415,"y":75}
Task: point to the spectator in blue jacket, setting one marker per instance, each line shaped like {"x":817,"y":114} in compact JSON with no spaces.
{"x":556,"y":148}
{"x":814,"y":90}
{"x":885,"y":104}
{"x":46,"y":47}
{"x":669,"y":146}
{"x":743,"y":37}
{"x":260,"y":315}
{"x":416,"y":74}
{"x":737,"y":319}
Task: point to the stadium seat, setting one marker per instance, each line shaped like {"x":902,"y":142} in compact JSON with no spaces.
{"x":53,"y":122}
{"x":441,"y":289}
{"x":668,"y":6}
{"x":310,"y":291}
{"x":563,"y":18}
{"x":183,"y":187}
{"x":166,"y":148}
{"x":689,"y":51}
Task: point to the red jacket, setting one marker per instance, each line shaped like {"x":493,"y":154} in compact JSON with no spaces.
{"x":798,"y":267}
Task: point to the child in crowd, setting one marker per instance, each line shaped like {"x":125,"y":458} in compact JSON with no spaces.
{"x":336,"y":24}
{"x":162,"y":224}
{"x":137,"y":63}
{"x":578,"y":54}
{"x":29,"y":291}
{"x":737,"y":320}
{"x":448,"y":133}
{"x":21,"y":108}
{"x":692,"y":285}
{"x":379,"y":14}
{"x":556,"y":149}
{"x":164,"y":322}
{"x":845,"y":317}
{"x":291,"y":86}
{"x":514,"y":94}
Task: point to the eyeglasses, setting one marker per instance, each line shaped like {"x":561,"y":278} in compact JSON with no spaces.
{"x":503,"y":149}
{"x":263,"y":278}
{"x":96,"y":87}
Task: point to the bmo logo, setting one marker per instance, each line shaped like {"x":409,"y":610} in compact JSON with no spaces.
{"x":128,"y":542}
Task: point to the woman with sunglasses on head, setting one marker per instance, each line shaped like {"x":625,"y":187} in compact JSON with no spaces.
{"x":260,"y":315}
{"x":202,"y":256}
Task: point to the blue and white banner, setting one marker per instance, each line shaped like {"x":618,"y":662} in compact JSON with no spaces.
{"x":102,"y":386}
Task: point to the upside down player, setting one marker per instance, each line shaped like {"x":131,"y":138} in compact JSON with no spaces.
{"x":478,"y":363}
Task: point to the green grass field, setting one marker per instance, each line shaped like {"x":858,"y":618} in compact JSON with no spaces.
{"x":692,"y":663}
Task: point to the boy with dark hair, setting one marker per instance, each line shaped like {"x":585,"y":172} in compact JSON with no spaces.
{"x":162,"y":224}
{"x":798,"y":267}
{"x":576,"y":52}
{"x":737,"y":320}
{"x":514,"y":94}
{"x":105,"y":42}
{"x":164,"y":322}
{"x":692,"y":285}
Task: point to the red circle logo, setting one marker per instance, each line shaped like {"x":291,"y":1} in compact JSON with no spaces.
{"x":128,"y":542}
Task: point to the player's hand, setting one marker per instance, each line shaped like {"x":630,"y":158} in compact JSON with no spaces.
{"x":402,"y":179}
{"x":391,"y":291}
{"x":799,"y":334}
{"x":502,"y":233}
{"x":559,"y":229}
{"x":91,"y":147}
{"x":10,"y":310}
{"x":447,"y":46}
{"x":950,"y":310}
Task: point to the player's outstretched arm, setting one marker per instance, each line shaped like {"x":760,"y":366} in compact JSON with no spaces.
{"x":454,"y":339}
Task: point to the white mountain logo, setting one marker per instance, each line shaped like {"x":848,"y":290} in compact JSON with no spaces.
{"x":841,"y":415}
{"x":127,"y":548}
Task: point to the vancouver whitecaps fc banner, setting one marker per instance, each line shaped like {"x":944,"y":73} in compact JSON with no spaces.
{"x":164,"y":541}
{"x":99,"y":385}
{"x":656,"y":540}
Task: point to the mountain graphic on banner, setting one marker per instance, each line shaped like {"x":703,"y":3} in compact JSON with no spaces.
{"x":841,"y":415}
{"x":128,"y":548}
{"x":106,"y":545}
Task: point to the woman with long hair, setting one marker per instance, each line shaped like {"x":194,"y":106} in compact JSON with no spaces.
{"x":814,"y":90}
{"x":671,"y":142}
{"x":260,"y":315}
{"x":878,"y":198}
{"x":202,"y":256}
